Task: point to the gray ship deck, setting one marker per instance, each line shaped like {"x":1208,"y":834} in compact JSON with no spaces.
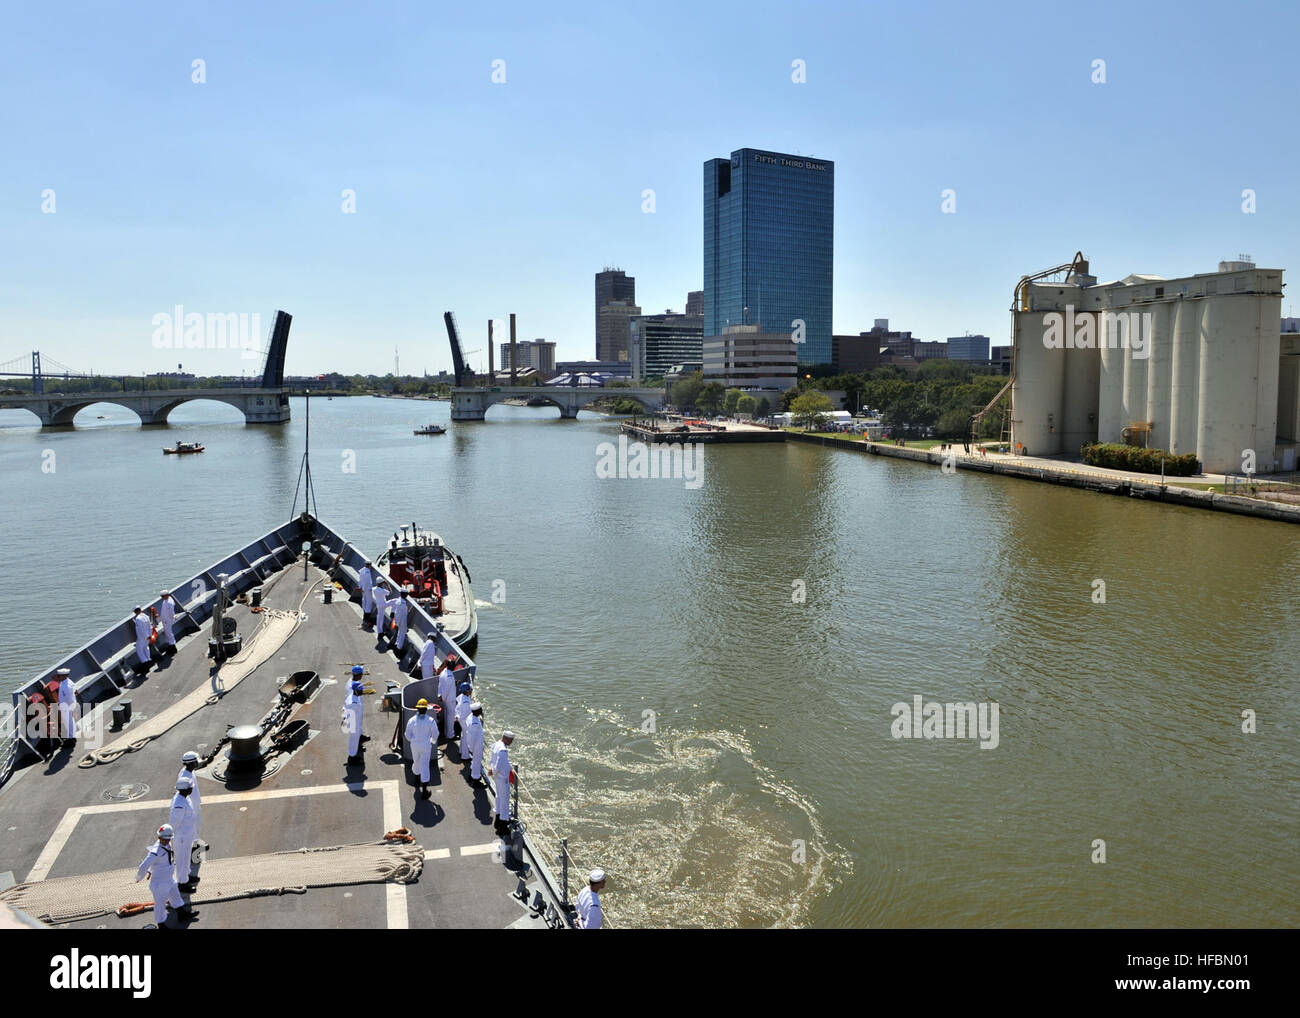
{"x":58,"y":818}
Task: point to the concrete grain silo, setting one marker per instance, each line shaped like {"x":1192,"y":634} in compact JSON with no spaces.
{"x":1196,"y":360}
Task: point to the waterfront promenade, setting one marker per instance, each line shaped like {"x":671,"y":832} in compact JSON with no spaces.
{"x":1105,"y":480}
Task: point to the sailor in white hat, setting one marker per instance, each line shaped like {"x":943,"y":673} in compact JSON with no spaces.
{"x":143,"y":630}
{"x":189,"y":764}
{"x":428,"y":657}
{"x":447,"y":694}
{"x":67,"y":703}
{"x":379,"y":592}
{"x":159,"y":866}
{"x":589,"y":916}
{"x":400,"y":609}
{"x":366,"y":581}
{"x":500,"y":773}
{"x":471,"y":742}
{"x":167,"y":615}
{"x":181,"y":820}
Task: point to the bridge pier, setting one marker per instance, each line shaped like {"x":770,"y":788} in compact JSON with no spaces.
{"x":469,"y":404}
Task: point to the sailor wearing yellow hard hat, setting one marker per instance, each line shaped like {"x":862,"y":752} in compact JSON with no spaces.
{"x":421,"y":734}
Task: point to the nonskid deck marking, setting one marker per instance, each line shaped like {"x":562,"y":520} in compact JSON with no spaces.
{"x":488,"y":849}
{"x":392,"y":805}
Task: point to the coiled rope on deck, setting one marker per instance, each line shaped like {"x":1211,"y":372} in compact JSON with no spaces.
{"x":73,"y":899}
{"x":271,"y":634}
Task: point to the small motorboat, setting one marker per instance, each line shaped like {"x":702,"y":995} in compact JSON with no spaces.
{"x":183,"y":449}
{"x":431,"y":429}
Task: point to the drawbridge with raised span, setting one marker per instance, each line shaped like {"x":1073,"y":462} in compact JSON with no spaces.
{"x":264,"y":403}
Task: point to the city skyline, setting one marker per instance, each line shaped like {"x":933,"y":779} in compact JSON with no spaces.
{"x":227,"y":195}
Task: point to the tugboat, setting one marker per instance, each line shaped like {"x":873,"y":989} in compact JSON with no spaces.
{"x":431,"y":429}
{"x":183,"y":449}
{"x":436,"y":578}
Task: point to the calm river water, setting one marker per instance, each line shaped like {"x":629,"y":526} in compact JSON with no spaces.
{"x":771,"y":790}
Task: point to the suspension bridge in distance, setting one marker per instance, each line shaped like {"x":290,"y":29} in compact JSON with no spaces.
{"x":264,"y":403}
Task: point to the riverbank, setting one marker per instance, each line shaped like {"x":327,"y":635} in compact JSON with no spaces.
{"x":1074,"y":475}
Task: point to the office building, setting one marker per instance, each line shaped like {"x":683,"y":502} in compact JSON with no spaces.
{"x":534,"y":353}
{"x":854,"y":353}
{"x":695,"y":303}
{"x":769,"y":229}
{"x":968,"y":348}
{"x":612,"y":285}
{"x":924,"y":350}
{"x":613,"y":331}
{"x":744,"y":357}
{"x":657,"y":342}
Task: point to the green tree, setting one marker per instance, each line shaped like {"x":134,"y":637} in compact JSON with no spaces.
{"x":746,"y":405}
{"x":810,"y":409}
{"x":686,"y":390}
{"x":764,"y":408}
{"x":730,"y":400}
{"x":711,"y":397}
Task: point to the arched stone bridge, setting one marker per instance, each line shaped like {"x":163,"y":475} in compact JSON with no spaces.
{"x":471,"y":404}
{"x":258,"y":405}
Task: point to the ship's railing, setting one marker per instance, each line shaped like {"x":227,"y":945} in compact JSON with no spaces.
{"x":10,"y":746}
{"x":103,"y":666}
{"x":419,"y":623}
{"x":550,"y":849}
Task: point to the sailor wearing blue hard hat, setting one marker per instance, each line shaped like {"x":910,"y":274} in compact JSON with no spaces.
{"x":353,"y":714}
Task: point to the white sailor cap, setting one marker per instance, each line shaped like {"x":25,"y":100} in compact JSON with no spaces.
{"x":184,"y":784}
{"x":164,"y":593}
{"x":596,"y":876}
{"x":507,"y":734}
{"x":63,"y":671}
{"x":475,"y":706}
{"x":189,"y":757}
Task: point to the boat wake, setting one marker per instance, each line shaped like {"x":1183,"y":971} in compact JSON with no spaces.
{"x":693,"y":830}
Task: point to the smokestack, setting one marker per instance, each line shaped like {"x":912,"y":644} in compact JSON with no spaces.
{"x":514,"y":353}
{"x":492,"y":375}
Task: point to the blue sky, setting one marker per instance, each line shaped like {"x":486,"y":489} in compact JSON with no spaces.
{"x":488,"y":198}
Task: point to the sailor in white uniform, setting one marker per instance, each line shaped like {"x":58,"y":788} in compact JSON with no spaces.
{"x":167,"y":616}
{"x":428,"y":658}
{"x":158,"y":865}
{"x":67,"y":704}
{"x":143,"y":630}
{"x":421,"y":734}
{"x":464,"y":698}
{"x":471,"y":741}
{"x":499,"y":772}
{"x":380,"y":594}
{"x":181,"y":820}
{"x":589,"y":915}
{"x":353,"y":715}
{"x":366,"y":581}
{"x":400,"y":609}
{"x":447,"y":694}
{"x":189,"y":762}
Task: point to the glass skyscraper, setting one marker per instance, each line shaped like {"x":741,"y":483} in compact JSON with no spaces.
{"x":769,"y":241}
